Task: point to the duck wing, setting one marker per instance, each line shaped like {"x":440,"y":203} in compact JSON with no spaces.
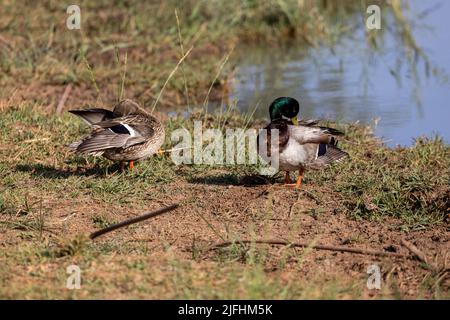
{"x":121,"y":132}
{"x":313,"y":134}
{"x":95,"y":115}
{"x":319,"y":143}
{"x":309,"y":122}
{"x":327,"y":154}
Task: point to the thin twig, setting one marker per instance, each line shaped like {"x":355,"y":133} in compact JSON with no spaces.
{"x":132,"y":220}
{"x":419,"y":254}
{"x":124,"y":75}
{"x":174,"y":149}
{"x":35,"y":140}
{"x":307,"y":245}
{"x":180,"y":39}
{"x":91,"y":73}
{"x":291,"y":209}
{"x":71,"y":215}
{"x":211,"y":226}
{"x":225,"y":60}
{"x":63,"y":99}
{"x":169,"y":77}
{"x":205,"y":102}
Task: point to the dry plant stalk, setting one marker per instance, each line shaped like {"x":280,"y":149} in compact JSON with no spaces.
{"x":169,"y":77}
{"x":307,"y":245}
{"x":128,"y":222}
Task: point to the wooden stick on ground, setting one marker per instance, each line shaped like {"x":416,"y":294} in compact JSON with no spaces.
{"x":307,"y":245}
{"x":419,"y":254}
{"x":143,"y":217}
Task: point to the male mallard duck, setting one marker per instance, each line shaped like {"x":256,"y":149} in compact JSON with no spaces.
{"x":128,"y":133}
{"x":301,"y":145}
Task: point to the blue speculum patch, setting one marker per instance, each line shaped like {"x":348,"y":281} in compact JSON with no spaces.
{"x":119,"y":129}
{"x":322,"y":149}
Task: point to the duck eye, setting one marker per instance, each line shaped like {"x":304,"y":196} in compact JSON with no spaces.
{"x":291,"y":112}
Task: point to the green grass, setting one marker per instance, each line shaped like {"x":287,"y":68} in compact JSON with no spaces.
{"x":50,"y":199}
{"x":41,"y":56}
{"x":141,"y":277}
{"x":375,"y":183}
{"x":412,"y":184}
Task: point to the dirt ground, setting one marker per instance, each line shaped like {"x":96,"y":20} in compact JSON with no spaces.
{"x":51,"y":199}
{"x":249,"y":209}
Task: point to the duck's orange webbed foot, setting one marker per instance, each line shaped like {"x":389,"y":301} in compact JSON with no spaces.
{"x":299,"y":178}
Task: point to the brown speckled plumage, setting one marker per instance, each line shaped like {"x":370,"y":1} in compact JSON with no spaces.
{"x":127,"y":133}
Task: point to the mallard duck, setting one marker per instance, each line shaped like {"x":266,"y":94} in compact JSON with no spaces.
{"x":301,"y":145}
{"x":128,"y":133}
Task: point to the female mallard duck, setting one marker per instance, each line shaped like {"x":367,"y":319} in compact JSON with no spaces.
{"x":128,"y":133}
{"x":301,"y":145}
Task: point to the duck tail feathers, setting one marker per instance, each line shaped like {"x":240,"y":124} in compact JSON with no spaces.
{"x":327,"y":154}
{"x":75,"y":147}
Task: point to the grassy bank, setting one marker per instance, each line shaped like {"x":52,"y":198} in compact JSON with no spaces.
{"x":50,"y":199}
{"x":119,"y":46}
{"x":377,"y":182}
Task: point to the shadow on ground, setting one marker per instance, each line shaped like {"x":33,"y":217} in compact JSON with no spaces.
{"x":233,"y":179}
{"x":49,"y":172}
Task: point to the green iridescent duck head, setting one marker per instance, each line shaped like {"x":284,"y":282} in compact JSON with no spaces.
{"x":284,"y":108}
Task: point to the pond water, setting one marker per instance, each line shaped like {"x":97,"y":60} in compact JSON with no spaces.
{"x":352,"y":82}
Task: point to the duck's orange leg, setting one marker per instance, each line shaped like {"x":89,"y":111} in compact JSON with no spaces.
{"x":299,"y":178}
{"x":131,"y":165}
{"x":287,"y":178}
